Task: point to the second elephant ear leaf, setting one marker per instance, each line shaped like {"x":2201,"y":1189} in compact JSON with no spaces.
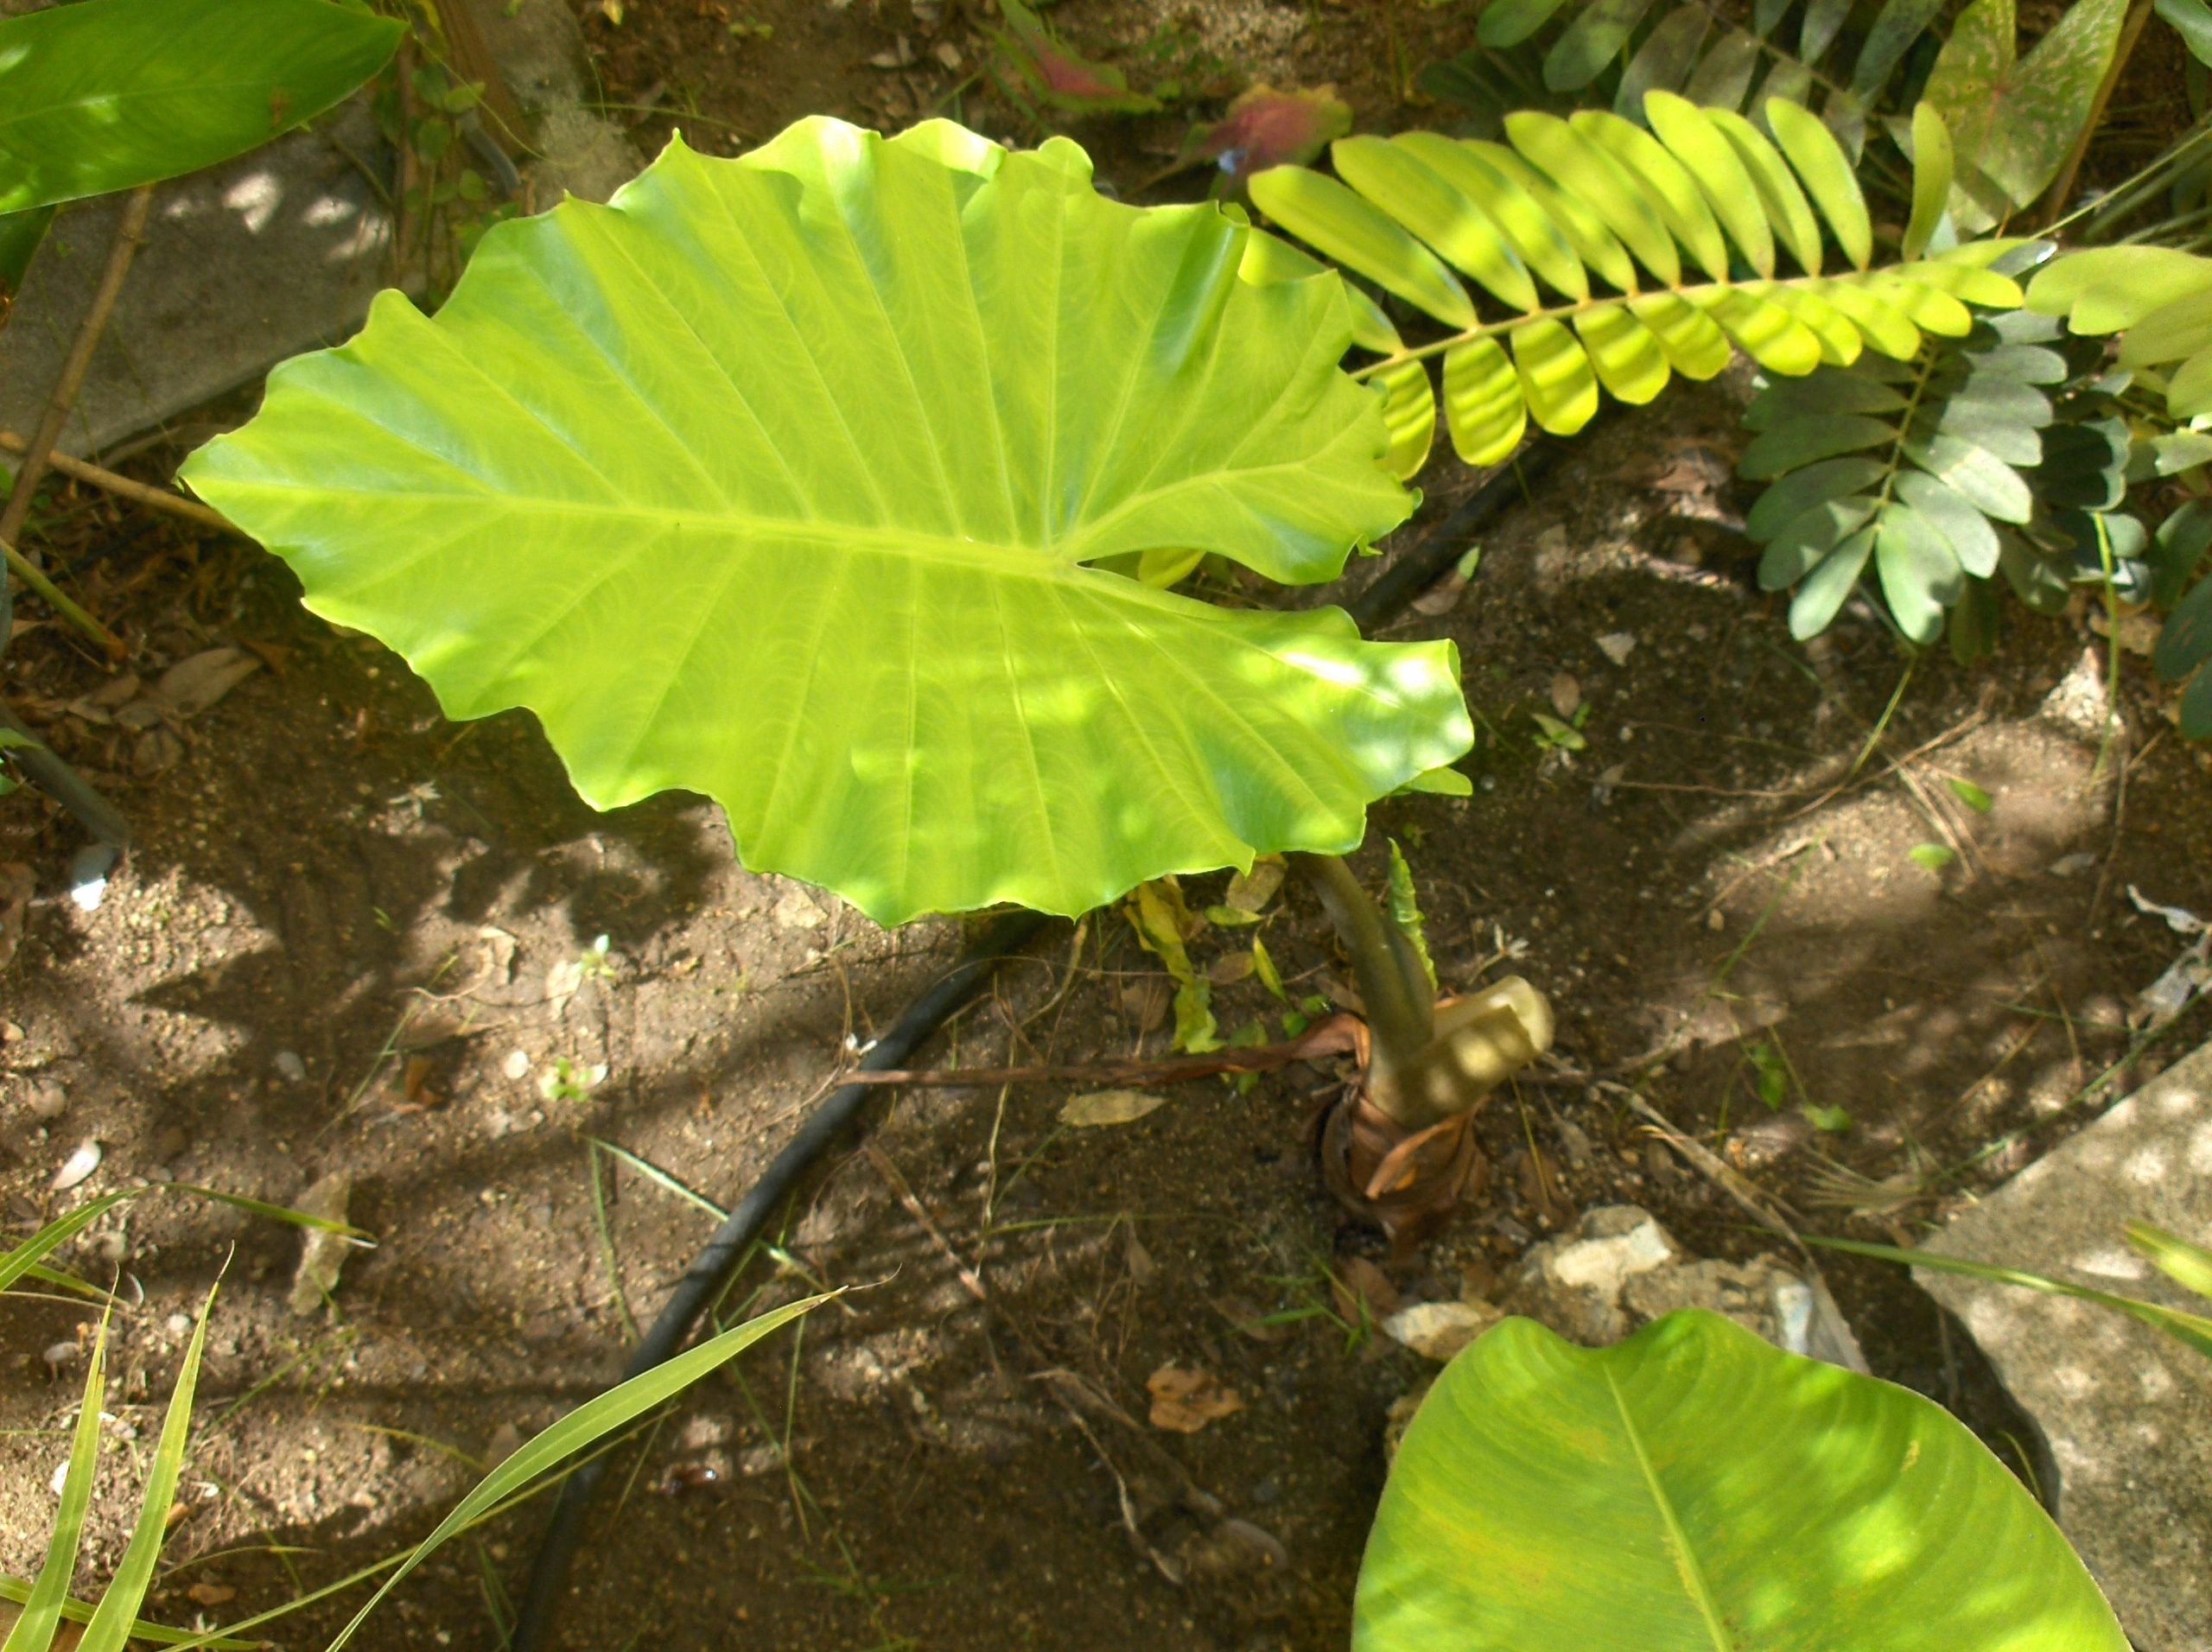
{"x":1695,"y":1488}
{"x":782,"y":479}
{"x":108,"y":94}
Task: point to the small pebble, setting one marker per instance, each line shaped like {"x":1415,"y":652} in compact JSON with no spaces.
{"x":48,"y":1101}
{"x":290,"y":1067}
{"x":79,"y":1166}
{"x":59,"y":1354}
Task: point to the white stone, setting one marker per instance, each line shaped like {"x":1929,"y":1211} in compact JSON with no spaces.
{"x":1437,"y":1331}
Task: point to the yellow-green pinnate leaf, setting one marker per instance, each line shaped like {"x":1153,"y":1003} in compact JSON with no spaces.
{"x":1932,"y":165}
{"x":1483,"y":402}
{"x":1351,"y":230}
{"x":779,"y":479}
{"x":1409,"y":410}
{"x":1693,"y":1488}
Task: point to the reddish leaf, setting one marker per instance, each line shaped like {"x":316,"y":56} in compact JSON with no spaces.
{"x":1063,"y":78}
{"x":1266,"y":127}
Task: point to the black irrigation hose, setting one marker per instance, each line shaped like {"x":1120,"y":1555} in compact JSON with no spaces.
{"x":704,"y":1279}
{"x":1406,"y":578}
{"x":66,"y":786}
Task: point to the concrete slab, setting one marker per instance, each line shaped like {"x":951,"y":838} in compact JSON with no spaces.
{"x":2127,"y":1413}
{"x":273,"y":253}
{"x":276,"y":252}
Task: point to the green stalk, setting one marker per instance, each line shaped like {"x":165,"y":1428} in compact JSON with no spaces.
{"x":1401,"y":1008}
{"x":24,"y":569}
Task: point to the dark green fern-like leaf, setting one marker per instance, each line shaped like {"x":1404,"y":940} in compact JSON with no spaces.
{"x":1936,"y":476}
{"x":1840,"y":61}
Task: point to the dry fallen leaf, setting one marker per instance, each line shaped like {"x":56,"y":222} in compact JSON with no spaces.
{"x":1109,"y":1106}
{"x":419,"y":1084}
{"x":322,"y":1253}
{"x":192,"y":685}
{"x":1142,"y":1265}
{"x":1250,"y":892}
{"x":1146,"y":1003}
{"x":1357,"y":1284}
{"x":1229,"y":968}
{"x":1443,"y":596}
{"x":1184,"y":1402}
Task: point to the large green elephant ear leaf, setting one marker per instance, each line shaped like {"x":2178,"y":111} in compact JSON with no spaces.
{"x":1694,"y":1490}
{"x":779,"y":479}
{"x":107,"y":94}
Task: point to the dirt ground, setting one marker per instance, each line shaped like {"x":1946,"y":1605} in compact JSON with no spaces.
{"x":355,"y":938}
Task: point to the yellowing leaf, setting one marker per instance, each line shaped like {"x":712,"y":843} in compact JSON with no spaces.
{"x":1158,"y":913}
{"x":1106,"y":1107}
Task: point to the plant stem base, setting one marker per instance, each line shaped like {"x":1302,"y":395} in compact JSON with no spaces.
{"x":1401,"y":1180}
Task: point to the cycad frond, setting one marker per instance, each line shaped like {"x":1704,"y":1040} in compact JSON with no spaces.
{"x":1619,"y":257}
{"x":1807,"y":53}
{"x":1937,"y":475}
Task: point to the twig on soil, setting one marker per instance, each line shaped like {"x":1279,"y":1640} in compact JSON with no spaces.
{"x":1765,"y":863}
{"x":1327,"y":1039}
{"x":1070,"y":1392}
{"x":2024,"y":1037}
{"x":1768,"y":1213}
{"x":1892,"y":766}
{"x":26,"y":570}
{"x":127,"y":234}
{"x":1783,"y":793}
{"x":2119,"y":822}
{"x":895,"y":1179}
{"x":1962,"y":847}
{"x":123,"y":488}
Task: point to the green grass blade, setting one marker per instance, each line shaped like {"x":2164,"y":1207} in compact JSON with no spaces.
{"x":283,"y":1213}
{"x":23,"y":1261}
{"x":582,"y":1426}
{"x":51,"y":1237}
{"x":110,"y":1630}
{"x":660,"y":1178}
{"x":41,"y":1614}
{"x":2189,"y":1266}
{"x":2193,"y":1330}
{"x":15,"y":1591}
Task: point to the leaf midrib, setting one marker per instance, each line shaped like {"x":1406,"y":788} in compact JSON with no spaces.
{"x":1012,"y":559}
{"x":1686,"y":1566}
